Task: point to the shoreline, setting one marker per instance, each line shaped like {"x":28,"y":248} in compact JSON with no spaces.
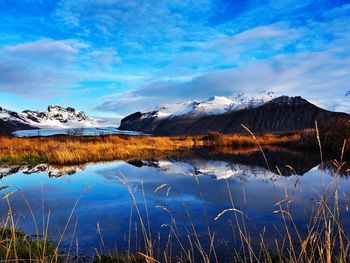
{"x":65,"y":149}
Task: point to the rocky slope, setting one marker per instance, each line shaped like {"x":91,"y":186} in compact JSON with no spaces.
{"x":10,"y":121}
{"x":259,"y":115}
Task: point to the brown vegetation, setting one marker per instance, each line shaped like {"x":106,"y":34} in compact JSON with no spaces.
{"x":73,"y":149}
{"x":79,"y":149}
{"x":219,"y":139}
{"x":334,"y":137}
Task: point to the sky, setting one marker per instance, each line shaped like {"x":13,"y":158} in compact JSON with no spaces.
{"x":114,"y":57}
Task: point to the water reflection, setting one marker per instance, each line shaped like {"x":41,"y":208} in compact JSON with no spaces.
{"x":51,"y":170}
{"x":219,"y":163}
{"x":182,"y":193}
{"x":279,"y":160}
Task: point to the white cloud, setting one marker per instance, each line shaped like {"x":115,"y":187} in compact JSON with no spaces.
{"x":39,"y":67}
{"x":41,"y":47}
{"x":264,"y":32}
{"x":48,"y":67}
{"x":313,"y":75}
{"x":337,"y":104}
{"x":43,"y":50}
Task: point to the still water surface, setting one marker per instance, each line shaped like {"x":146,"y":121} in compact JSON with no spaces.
{"x":85,"y":132}
{"x":189,"y":191}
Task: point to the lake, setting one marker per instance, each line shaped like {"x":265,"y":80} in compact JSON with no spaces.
{"x":86,"y":132}
{"x":181,"y":195}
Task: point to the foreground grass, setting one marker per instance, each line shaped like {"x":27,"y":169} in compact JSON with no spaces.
{"x":76,"y":150}
{"x":326,"y":238}
{"x":16,"y":246}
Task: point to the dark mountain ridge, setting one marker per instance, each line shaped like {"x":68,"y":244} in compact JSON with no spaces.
{"x":282,"y":114}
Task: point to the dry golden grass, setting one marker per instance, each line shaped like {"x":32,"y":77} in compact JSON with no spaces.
{"x":74,"y":149}
{"x":218,"y":139}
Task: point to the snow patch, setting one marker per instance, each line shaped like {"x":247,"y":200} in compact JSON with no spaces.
{"x":212,"y":106}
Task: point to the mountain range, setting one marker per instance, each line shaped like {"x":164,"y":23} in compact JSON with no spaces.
{"x":263,"y":113}
{"x":54,"y":117}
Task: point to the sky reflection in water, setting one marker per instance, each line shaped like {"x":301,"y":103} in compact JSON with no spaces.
{"x":196,"y":184}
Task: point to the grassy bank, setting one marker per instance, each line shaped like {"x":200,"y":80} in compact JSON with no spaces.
{"x":75,"y":149}
{"x":71,"y":149}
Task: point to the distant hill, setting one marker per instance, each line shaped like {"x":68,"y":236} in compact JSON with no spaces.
{"x":260,"y":115}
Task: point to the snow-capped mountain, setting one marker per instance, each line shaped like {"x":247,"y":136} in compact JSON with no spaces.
{"x":212,"y":106}
{"x":54,"y":117}
{"x":51,"y":170}
{"x":262,"y":113}
{"x":215,"y":169}
{"x":57,"y":117}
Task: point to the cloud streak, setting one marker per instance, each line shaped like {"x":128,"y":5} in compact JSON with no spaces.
{"x":39,"y":67}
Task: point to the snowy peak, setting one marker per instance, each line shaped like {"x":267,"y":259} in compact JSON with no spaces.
{"x":53,"y":110}
{"x":57,"y":117}
{"x":213,"y":106}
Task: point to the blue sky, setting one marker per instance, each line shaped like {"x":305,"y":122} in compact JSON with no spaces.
{"x":113,"y":57}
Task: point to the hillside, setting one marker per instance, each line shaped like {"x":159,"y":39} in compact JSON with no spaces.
{"x":280,"y":114}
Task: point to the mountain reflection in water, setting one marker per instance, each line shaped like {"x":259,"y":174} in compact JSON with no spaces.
{"x":187,"y":190}
{"x":219,"y":163}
